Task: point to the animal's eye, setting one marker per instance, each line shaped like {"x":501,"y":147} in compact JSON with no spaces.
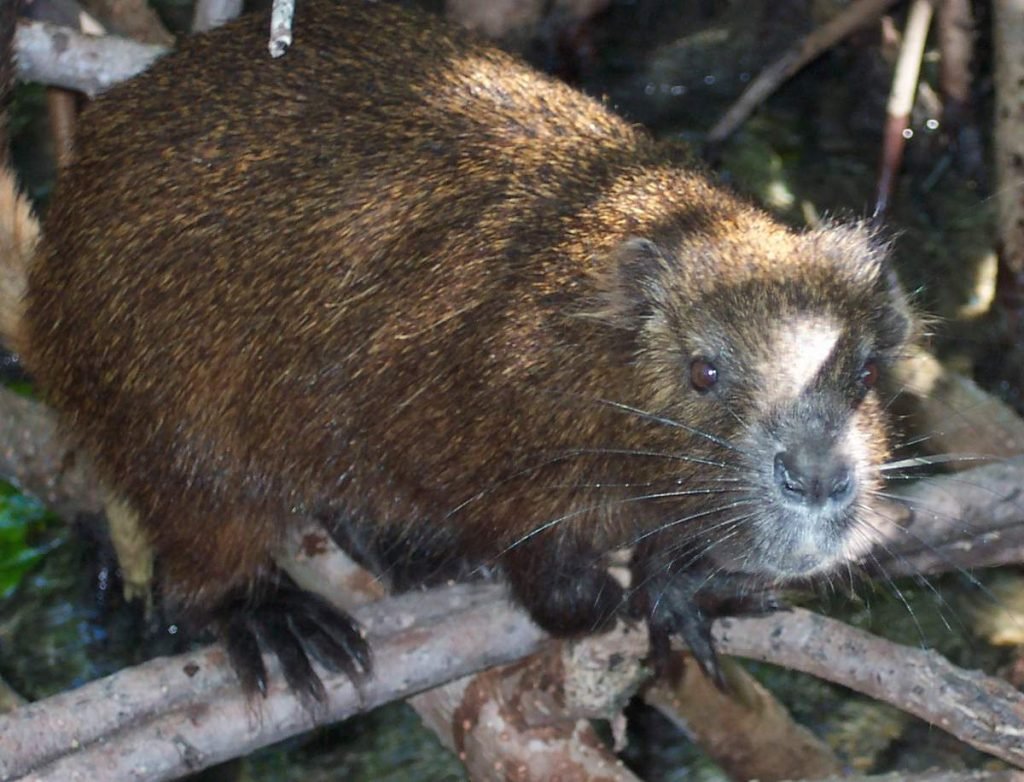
{"x":869,"y":374}
{"x":703,"y":375}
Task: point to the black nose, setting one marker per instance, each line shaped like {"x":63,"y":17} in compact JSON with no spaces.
{"x":812,"y":478}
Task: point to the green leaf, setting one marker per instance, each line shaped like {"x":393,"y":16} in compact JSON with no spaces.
{"x":22,"y":520}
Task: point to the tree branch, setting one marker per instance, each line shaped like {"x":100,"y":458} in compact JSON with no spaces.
{"x":1008,"y":48}
{"x":983,"y":711}
{"x":175,"y":715}
{"x":87,"y":63}
{"x":179,"y":714}
{"x":968,"y":519}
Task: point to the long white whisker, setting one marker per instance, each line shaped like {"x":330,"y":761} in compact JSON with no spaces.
{"x":932,"y":549}
{"x":567,"y":455}
{"x":675,"y":424}
{"x":698,"y":515}
{"x":926,"y":461}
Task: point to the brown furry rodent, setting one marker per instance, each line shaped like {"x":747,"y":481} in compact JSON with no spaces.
{"x":399,"y":281}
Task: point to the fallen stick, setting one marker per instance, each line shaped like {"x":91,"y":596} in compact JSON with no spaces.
{"x":851,"y":18}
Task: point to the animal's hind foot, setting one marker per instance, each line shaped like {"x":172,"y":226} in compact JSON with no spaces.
{"x":295,"y":626}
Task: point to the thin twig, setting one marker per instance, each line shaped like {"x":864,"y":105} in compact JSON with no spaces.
{"x":281,"y":26}
{"x":851,"y":18}
{"x":901,"y":100}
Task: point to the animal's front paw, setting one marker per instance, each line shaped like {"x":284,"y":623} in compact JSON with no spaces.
{"x":671,"y":608}
{"x":686,"y":603}
{"x":294,"y":625}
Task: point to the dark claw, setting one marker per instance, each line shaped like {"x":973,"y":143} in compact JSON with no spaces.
{"x":687,"y":602}
{"x":339,"y":628}
{"x":294,"y":625}
{"x":694,"y":627}
{"x":244,"y":653}
{"x":696,"y":631}
{"x":275,"y":631}
{"x":332,"y":640}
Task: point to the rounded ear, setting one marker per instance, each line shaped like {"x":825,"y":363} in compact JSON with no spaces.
{"x":632,"y":283}
{"x":866,"y":253}
{"x":863,"y":249}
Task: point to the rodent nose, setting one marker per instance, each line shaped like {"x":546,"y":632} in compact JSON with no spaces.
{"x":813,"y":481}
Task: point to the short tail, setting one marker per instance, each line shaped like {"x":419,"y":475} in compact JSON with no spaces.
{"x":19,"y":234}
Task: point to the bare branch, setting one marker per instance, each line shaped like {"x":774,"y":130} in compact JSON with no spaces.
{"x":901,"y":100}
{"x":748,"y":733}
{"x":281,"y":27}
{"x":969,"y":519}
{"x":90,"y":64}
{"x":515,"y":723}
{"x":179,"y":714}
{"x":933,"y":775}
{"x":176,"y":715}
{"x":983,"y":711}
{"x":959,"y":417}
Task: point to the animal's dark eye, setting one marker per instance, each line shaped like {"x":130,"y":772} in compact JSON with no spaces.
{"x":703,"y":375}
{"x":869,"y":373}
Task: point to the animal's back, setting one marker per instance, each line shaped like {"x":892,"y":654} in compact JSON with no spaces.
{"x":265,"y":284}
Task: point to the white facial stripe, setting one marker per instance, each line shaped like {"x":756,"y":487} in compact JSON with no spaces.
{"x":803,"y":345}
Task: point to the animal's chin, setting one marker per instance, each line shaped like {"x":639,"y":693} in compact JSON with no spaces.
{"x":788,"y":547}
{"x":800,"y":565}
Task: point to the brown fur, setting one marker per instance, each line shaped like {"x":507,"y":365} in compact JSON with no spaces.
{"x":394,"y":277}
